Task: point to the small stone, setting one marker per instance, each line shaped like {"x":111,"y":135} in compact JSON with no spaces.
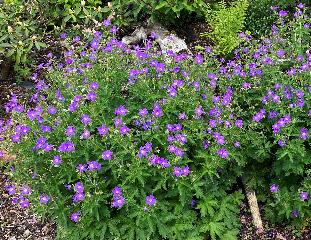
{"x":27,"y":233}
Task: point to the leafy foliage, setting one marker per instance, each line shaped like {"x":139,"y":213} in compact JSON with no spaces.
{"x":226,"y":23}
{"x":19,"y":32}
{"x":130,"y":11}
{"x":132,"y":143}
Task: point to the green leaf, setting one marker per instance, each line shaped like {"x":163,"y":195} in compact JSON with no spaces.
{"x":5,"y":45}
{"x":40,"y":45}
{"x":18,"y":56}
{"x":161,"y":5}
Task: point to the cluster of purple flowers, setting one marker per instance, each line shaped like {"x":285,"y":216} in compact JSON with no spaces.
{"x":66,"y":147}
{"x":176,"y":150}
{"x":144,"y":150}
{"x":118,"y":200}
{"x":281,"y":123}
{"x":218,"y":115}
{"x":259,"y":115}
{"x":24,"y":191}
{"x":181,"y":171}
{"x":79,"y":195}
{"x":93,"y":166}
{"x":155,"y":160}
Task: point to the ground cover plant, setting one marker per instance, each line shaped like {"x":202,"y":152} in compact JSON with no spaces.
{"x":132,"y":143}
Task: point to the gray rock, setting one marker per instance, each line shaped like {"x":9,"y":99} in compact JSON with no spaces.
{"x":27,"y":85}
{"x":164,"y":38}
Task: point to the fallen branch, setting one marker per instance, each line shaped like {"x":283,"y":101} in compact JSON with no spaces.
{"x":253,"y":205}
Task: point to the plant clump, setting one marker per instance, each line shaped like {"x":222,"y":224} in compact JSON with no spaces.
{"x":134,"y":143}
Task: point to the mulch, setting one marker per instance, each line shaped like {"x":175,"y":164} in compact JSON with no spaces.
{"x":19,"y":224}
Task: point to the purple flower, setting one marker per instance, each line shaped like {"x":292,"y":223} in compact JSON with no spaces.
{"x":44,"y":199}
{"x":25,"y":190}
{"x":118,"y":201}
{"x":223,"y":153}
{"x":272,"y":114}
{"x":295,"y":213}
{"x":304,"y":196}
{"x":66,"y":147}
{"x":181,"y":171}
{"x":304,"y":133}
{"x":14,"y":200}
{"x":82,"y":167}
{"x":118,"y":122}
{"x":85,"y":119}
{"x":57,"y":160}
{"x":91,"y":96}
{"x":182,"y":116}
{"x":24,"y":203}
{"x":236,"y":144}
{"x":157,"y":111}
{"x":301,"y":5}
{"x":205,"y":144}
{"x":281,"y":143}
{"x":124,"y":130}
{"x":181,"y":138}
{"x":121,"y":110}
{"x":63,"y":35}
{"x":94,"y":44}
{"x":75,"y":217}
{"x":143,"y":112}
{"x":94,"y":85}
{"x":78,"y":197}
{"x":94,"y":165}
{"x":117,"y":191}
{"x":259,"y":116}
{"x":198,"y":59}
{"x":102,"y":130}
{"x":239,"y":123}
{"x":283,"y":13}
{"x":177,"y":171}
{"x":185,"y":171}
{"x":11,"y":189}
{"x":70,"y":131}
{"x":76,"y":39}
{"x":86,"y":134}
{"x":16,"y":138}
{"x":107,"y":155}
{"x":79,"y":187}
{"x":280,"y":53}
{"x":52,"y":110}
{"x":274,"y":188}
{"x":114,"y":30}
{"x":150,"y":200}
{"x":198,"y":111}
{"x":106,"y":22}
{"x":275,"y":128}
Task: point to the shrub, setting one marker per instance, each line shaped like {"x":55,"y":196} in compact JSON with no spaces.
{"x":65,"y":12}
{"x":19,"y":32}
{"x":226,"y":23}
{"x":133,"y":144}
{"x":129,"y":11}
